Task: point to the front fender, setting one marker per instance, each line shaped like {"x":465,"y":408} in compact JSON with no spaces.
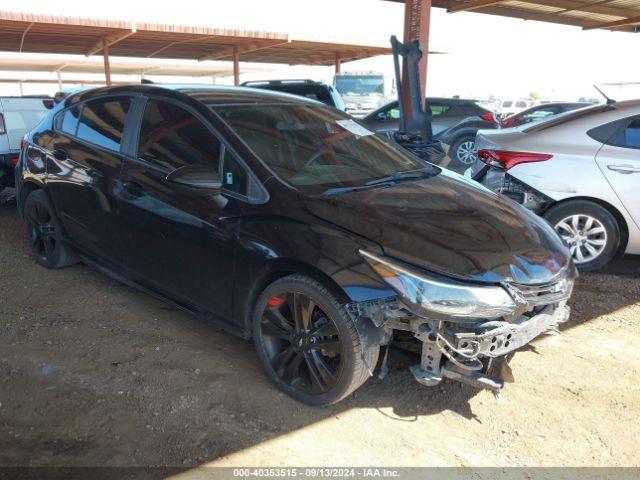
{"x":271,"y":247}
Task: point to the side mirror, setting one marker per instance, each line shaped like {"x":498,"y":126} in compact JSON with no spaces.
{"x":197,"y":178}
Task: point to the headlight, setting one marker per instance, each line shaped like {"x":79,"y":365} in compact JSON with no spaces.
{"x":442,"y":297}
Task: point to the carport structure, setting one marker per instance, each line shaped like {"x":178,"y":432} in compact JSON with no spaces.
{"x":616,"y":15}
{"x":22,"y":32}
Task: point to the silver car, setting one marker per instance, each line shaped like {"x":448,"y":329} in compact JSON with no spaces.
{"x":579,"y":170}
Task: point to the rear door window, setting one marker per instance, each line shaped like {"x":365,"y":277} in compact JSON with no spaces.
{"x":438,"y":108}
{"x":68,"y":121}
{"x":627,"y":134}
{"x":102,"y":122}
{"x":171,"y":137}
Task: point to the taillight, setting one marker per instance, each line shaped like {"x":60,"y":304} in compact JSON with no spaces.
{"x":14,"y":161}
{"x":489,"y":117}
{"x":510,"y":159}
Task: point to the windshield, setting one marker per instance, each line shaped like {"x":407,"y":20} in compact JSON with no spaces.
{"x":360,"y":84}
{"x":315,"y":148}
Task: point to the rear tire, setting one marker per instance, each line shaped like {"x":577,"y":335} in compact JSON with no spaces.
{"x":589,"y":230}
{"x":463,"y":150}
{"x":44,"y":233}
{"x":317,"y":357}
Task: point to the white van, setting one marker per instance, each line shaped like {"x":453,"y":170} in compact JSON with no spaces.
{"x":18,"y":115}
{"x":511,"y":107}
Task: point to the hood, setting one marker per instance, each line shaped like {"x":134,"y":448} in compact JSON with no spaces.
{"x":450,"y":225}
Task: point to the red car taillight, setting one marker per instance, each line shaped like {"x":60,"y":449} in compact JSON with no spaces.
{"x":14,"y":161}
{"x":510,"y":159}
{"x":489,"y":117}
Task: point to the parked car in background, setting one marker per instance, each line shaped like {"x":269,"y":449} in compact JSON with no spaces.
{"x":580,"y":170}
{"x":18,"y":115}
{"x":455,"y":122}
{"x":539,"y":112}
{"x":506,"y":108}
{"x":284,"y":220}
{"x":304,"y":88}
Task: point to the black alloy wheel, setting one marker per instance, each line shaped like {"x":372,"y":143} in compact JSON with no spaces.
{"x":307,"y":344}
{"x":44,"y":233}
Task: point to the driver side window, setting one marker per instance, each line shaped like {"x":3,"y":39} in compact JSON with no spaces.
{"x":171,"y":137}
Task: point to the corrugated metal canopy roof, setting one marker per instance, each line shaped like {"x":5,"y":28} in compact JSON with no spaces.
{"x":23,"y":32}
{"x":620,"y":15}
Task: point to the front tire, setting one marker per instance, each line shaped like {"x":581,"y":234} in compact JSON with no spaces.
{"x":44,"y":233}
{"x":589,"y":230}
{"x":307,"y":343}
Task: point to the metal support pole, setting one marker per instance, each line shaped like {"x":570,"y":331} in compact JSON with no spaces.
{"x":59,"y":80}
{"x":107,"y":67}
{"x":236,"y":66}
{"x":338,"y":64}
{"x":417,"y":15}
{"x":20,"y":85}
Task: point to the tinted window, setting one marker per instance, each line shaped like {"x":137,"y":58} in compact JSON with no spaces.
{"x":315,"y":148}
{"x":626,"y":133}
{"x":632,"y":134}
{"x":521,"y":104}
{"x":507,"y":103}
{"x":171,"y":137}
{"x":234,"y":176}
{"x":438,"y":108}
{"x":68,"y":122}
{"x":102,"y":123}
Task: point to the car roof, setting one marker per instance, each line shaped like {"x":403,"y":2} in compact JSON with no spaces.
{"x":610,"y":112}
{"x":207,"y":94}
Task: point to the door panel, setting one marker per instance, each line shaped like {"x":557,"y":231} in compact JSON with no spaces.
{"x":178,"y":242}
{"x":621,"y":167}
{"x":83,"y":180}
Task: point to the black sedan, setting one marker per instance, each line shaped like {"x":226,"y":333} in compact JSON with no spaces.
{"x":283,"y":220}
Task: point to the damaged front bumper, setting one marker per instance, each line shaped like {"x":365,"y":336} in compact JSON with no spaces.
{"x":474,"y":353}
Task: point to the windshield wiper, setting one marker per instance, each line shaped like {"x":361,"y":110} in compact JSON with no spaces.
{"x":410,"y":175}
{"x":340,"y":190}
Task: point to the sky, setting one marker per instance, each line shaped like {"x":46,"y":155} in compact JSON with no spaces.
{"x":485,"y":55}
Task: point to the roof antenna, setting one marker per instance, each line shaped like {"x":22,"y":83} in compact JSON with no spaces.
{"x":610,"y":101}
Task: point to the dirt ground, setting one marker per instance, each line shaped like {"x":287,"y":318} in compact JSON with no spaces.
{"x":93,"y":373}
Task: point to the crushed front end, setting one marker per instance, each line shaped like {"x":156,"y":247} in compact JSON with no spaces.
{"x":470,"y":344}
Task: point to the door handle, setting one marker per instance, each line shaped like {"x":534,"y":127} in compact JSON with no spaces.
{"x":134,"y":189}
{"x":59,"y":154}
{"x":624,"y":169}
